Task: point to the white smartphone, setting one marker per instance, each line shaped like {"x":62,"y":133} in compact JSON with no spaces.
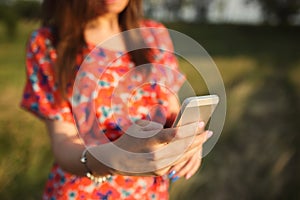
{"x":198,"y":108}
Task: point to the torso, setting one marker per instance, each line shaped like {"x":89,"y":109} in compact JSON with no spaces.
{"x":120,"y":100}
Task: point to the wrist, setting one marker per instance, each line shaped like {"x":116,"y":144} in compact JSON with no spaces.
{"x":94,"y":169}
{"x":96,"y":166}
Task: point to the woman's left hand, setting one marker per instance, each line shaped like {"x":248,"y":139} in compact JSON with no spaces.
{"x":187,"y":169}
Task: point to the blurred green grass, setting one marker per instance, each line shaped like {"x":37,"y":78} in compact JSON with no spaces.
{"x":254,"y":157}
{"x":24,"y":148}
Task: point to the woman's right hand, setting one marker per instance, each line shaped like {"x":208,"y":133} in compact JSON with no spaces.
{"x":146,"y":149}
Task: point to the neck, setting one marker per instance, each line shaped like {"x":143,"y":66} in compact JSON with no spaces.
{"x":103,"y":28}
{"x":108,"y":22}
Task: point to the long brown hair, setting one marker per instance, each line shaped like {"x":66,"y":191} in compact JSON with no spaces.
{"x":68,"y":19}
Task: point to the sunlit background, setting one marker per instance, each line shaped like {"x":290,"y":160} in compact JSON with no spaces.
{"x":256,"y":46}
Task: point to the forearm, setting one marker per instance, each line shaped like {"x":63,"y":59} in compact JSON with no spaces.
{"x":67,"y":155}
{"x":67,"y":148}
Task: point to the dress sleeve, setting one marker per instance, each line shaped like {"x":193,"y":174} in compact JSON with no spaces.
{"x":40,"y":96}
{"x":165,"y":55}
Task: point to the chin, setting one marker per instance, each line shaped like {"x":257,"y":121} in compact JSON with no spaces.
{"x":114,"y":6}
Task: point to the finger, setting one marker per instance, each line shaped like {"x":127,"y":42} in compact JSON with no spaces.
{"x":190,"y":166}
{"x":154,"y":132}
{"x":189,"y":130}
{"x":177,"y":133}
{"x":196,"y":167}
{"x":149,"y":125}
{"x":144,"y":129}
{"x":142,"y":122}
{"x":146,"y":125}
{"x":178,"y":155}
{"x":186,"y":169}
{"x":173,"y":172}
{"x":188,"y":144}
{"x":176,"y":149}
{"x":201,"y":139}
{"x":171,"y":160}
{"x":198,"y":140}
{"x":175,"y":160}
{"x":185,"y":131}
{"x":201,"y":127}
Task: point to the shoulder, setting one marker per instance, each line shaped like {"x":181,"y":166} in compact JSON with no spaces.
{"x":41,"y":39}
{"x":149,"y":23}
{"x":40,"y":52}
{"x":156,"y":34}
{"x":155,"y":29}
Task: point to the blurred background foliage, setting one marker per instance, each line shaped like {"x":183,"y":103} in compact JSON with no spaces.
{"x":12,"y":11}
{"x":279,"y":11}
{"x":257,"y":155}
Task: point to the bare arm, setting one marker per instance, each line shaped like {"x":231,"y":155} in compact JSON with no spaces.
{"x":67,"y":148}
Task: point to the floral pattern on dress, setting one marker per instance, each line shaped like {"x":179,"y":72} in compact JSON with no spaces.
{"x":114,"y":108}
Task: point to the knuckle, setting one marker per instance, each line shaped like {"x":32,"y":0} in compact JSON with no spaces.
{"x":152,"y":156}
{"x":200,"y":138}
{"x":148,"y":151}
{"x":163,"y":137}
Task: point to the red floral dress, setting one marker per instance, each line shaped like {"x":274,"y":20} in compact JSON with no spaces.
{"x":119,"y":100}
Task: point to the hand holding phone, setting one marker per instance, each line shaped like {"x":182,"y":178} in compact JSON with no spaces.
{"x":198,"y":108}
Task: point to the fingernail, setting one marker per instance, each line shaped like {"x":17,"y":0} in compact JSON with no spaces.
{"x":201,"y":124}
{"x":175,"y":179}
{"x":188,"y":176}
{"x":209,"y":134}
{"x":171,"y":174}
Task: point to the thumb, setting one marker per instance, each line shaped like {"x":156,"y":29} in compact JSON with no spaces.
{"x":155,"y":132}
{"x":144,"y":129}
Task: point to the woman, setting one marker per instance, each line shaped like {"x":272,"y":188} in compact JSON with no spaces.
{"x":71,"y":29}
